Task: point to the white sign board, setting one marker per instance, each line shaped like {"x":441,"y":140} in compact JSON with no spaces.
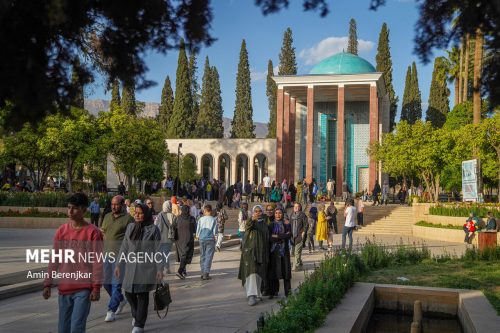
{"x":470,"y":180}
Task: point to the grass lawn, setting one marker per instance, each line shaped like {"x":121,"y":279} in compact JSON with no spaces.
{"x":453,"y":273}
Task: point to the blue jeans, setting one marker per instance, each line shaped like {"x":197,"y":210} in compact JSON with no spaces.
{"x":73,"y":311}
{"x":166,"y":248}
{"x":209,"y":196}
{"x":347,"y":231}
{"x":112,"y":285}
{"x":207,"y":249}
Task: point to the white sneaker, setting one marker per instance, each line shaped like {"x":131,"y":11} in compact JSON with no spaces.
{"x":133,"y":322}
{"x":120,"y":307}
{"x":110,"y":316}
{"x":137,"y":330}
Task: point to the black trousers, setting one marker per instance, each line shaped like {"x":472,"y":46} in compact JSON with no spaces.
{"x":360,"y":218}
{"x":274,"y":286}
{"x":94,"y":219}
{"x":139,"y":305}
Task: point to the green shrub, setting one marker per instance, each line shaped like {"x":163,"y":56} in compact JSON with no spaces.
{"x":434,"y":225}
{"x":42,"y":199}
{"x":464,"y":210}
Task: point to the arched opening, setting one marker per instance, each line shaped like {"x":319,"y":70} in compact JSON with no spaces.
{"x":242,"y":168}
{"x":207,"y":165}
{"x":193,"y":158}
{"x":225,"y":168}
{"x":259,"y":167}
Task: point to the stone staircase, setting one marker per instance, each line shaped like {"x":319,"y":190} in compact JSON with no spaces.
{"x":389,"y":220}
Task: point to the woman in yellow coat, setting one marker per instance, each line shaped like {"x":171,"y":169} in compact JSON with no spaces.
{"x":321,"y":227}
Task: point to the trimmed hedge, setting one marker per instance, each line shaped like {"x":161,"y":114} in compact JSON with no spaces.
{"x":323,"y":289}
{"x":434,"y":225}
{"x":464,"y":211}
{"x":43,"y":199}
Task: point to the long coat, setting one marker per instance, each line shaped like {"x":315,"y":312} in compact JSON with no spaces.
{"x":321,"y":227}
{"x":255,"y":251}
{"x":141,"y":276}
{"x":184,"y":230}
{"x":280,"y":266}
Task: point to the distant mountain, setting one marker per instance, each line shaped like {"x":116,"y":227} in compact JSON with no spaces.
{"x":151,"y":110}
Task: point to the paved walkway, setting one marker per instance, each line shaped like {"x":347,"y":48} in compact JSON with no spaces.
{"x":218,"y":305}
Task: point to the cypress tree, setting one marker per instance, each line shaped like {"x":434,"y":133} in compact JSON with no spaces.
{"x":181,"y":122}
{"x":128,"y":99}
{"x":194,"y":88}
{"x":115,"y":96}
{"x":352,"y":45}
{"x":166,"y":105}
{"x":416,"y":99}
{"x":288,"y":64}
{"x":439,"y":104}
{"x":209,"y":123}
{"x":384,"y":65}
{"x":242,"y":125}
{"x":271,"y":91}
{"x":406,"y":107}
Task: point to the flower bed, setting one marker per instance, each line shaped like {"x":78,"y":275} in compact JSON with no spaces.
{"x":464,"y":209}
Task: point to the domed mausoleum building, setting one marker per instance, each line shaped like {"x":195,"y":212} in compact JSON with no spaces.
{"x":325,"y":123}
{"x":327,"y":119}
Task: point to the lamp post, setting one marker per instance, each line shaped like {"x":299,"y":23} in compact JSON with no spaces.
{"x":178,"y":168}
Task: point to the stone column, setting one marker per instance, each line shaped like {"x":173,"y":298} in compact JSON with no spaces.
{"x":340,"y":140}
{"x":286,"y":137}
{"x":310,"y":130}
{"x":373,"y":133}
{"x":279,"y":134}
{"x":291,"y":142}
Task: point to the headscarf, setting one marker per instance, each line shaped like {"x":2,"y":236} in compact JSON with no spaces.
{"x":185,"y":211}
{"x":136,"y":233}
{"x":278,"y":227}
{"x":257,"y":206}
{"x":167,"y":207}
{"x":173,"y":200}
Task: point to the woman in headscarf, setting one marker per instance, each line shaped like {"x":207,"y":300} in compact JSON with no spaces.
{"x":280,"y":267}
{"x":140,"y":277}
{"x":184,"y":228}
{"x":321,"y":227}
{"x":175,"y":206}
{"x":255,"y":255}
{"x":164,"y":223}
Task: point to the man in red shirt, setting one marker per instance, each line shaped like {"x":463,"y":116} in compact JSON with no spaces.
{"x":80,"y":276}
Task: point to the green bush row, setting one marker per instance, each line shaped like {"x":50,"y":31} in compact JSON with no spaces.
{"x":323,"y":289}
{"x":33,"y":212}
{"x":464,"y":211}
{"x":434,"y":225}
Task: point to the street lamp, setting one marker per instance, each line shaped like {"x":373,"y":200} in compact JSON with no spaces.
{"x":178,"y":168}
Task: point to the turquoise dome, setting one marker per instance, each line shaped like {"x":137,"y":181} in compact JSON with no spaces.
{"x":343,"y":63}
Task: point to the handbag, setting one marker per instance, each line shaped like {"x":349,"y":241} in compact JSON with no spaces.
{"x":162,"y":298}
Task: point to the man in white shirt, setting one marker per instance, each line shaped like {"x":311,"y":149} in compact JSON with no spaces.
{"x":267,"y":186}
{"x":350,"y":223}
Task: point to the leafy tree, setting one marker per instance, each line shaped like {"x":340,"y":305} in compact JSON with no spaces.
{"x":78,"y":98}
{"x":188,"y":170}
{"x":209,"y":122}
{"x":25,"y":147}
{"x":384,"y":65}
{"x":288,"y":63}
{"x":460,"y":116}
{"x":406,"y":107}
{"x":488,"y":136}
{"x":352,"y":44}
{"x":271,"y":92}
{"x":115,"y":96}
{"x":194,"y":89}
{"x":439,"y":104}
{"x":242,"y":125}
{"x":167,"y":104}
{"x":180,"y":124}
{"x":69,"y":138}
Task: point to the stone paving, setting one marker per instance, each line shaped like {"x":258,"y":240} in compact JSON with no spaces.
{"x":218,"y":305}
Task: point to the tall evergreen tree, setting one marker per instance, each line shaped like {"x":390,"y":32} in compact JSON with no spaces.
{"x":416,"y":97}
{"x":115,"y":96}
{"x":406,"y":107}
{"x":181,"y":122}
{"x":195,"y":88}
{"x":128,"y":99}
{"x":439,"y":104}
{"x":384,"y":65}
{"x":242,"y":125}
{"x":288,"y":63}
{"x":271,"y":92}
{"x":352,"y":44}
{"x":209,"y":123}
{"x":166,"y":105}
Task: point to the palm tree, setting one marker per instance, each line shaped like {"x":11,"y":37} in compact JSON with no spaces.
{"x":454,"y":71}
{"x":478,"y":62}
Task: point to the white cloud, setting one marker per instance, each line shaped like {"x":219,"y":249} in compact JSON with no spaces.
{"x":329,"y":46}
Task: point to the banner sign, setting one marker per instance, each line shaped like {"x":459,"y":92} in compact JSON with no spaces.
{"x":470,"y":180}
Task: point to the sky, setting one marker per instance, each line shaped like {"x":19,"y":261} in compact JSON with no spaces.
{"x":314,"y":39}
